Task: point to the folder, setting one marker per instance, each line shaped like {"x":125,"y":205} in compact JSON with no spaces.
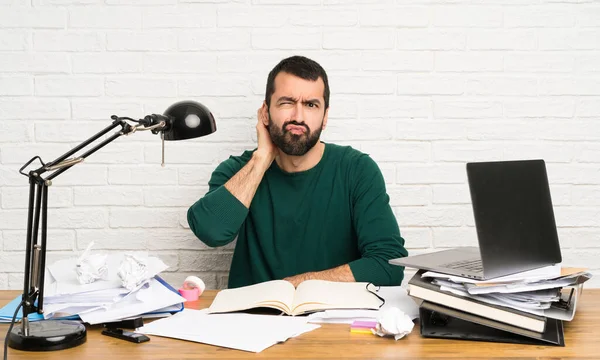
{"x":425,"y":289}
{"x":437,"y":321}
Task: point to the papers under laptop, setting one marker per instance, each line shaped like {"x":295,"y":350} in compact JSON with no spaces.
{"x":514,"y":220}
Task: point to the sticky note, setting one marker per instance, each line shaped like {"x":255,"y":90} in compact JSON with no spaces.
{"x":364,"y":324}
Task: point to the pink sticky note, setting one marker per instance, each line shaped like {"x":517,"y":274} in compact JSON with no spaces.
{"x":364,"y":324}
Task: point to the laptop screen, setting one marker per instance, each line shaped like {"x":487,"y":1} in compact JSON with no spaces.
{"x":513,"y":214}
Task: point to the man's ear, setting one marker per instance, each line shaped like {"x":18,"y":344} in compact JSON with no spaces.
{"x":265,"y":111}
{"x":325,"y":117}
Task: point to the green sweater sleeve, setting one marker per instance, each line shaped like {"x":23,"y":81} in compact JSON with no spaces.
{"x":217,"y":217}
{"x":376,"y":227}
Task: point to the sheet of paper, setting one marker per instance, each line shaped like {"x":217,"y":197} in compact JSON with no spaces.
{"x":342,"y":316}
{"x":494,"y":301}
{"x":334,"y":320}
{"x":57,"y":311}
{"x":394,"y":296}
{"x":529,"y":286}
{"x":65,"y":277}
{"x":146,"y":299}
{"x":247,"y":332}
{"x":536,"y":295}
{"x":66,"y":282}
{"x":551,"y":312}
{"x":568,"y":271}
{"x":549,"y":294}
{"x":106,"y":296}
{"x":547,"y":272}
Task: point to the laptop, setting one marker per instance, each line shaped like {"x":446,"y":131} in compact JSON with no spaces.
{"x":514,"y":219}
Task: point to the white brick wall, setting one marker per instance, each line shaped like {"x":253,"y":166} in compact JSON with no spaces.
{"x":422,"y":85}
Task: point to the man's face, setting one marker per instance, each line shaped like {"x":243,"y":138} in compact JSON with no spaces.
{"x":297,"y":113}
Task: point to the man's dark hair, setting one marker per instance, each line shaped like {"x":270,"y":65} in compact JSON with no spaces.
{"x":301,"y":67}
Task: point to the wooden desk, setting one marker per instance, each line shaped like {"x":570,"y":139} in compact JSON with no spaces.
{"x":334,"y":341}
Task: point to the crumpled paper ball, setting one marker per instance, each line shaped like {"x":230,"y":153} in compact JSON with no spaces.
{"x":132,"y":271}
{"x":394,"y":322}
{"x":91,"y":267}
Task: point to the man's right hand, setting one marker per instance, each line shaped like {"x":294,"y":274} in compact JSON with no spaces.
{"x":266,"y":151}
{"x":245,"y":182}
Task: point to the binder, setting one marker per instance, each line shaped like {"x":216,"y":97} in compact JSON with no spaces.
{"x":7,"y":312}
{"x":438,"y":321}
{"x":173,"y":309}
{"x":424,"y":289}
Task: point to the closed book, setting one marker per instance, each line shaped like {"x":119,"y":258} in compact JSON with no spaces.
{"x":423,"y":288}
{"x":438,"y":321}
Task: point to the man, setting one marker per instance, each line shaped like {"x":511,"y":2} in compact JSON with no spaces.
{"x":300,"y":208}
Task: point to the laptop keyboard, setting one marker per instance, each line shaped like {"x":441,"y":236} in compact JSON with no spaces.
{"x":471,"y":265}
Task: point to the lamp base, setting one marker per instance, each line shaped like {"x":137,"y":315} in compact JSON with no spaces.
{"x":48,"y":335}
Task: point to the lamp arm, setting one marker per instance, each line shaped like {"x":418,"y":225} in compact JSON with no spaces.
{"x":181,"y":121}
{"x":63,"y":161}
{"x":35,"y":255}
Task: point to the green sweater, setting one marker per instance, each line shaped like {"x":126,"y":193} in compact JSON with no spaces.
{"x":335,"y":213}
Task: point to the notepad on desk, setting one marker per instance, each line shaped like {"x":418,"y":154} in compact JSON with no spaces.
{"x":309,"y":296}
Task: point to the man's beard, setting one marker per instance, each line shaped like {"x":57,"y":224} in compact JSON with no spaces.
{"x":293,"y":144}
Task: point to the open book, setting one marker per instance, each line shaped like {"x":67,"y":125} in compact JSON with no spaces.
{"x":310,"y":296}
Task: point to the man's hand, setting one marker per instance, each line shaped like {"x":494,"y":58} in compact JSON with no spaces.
{"x":341,"y":273}
{"x":297,"y":279}
{"x":267,"y":151}
{"x":244,"y":184}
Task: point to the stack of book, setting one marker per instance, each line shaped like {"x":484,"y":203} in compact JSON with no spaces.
{"x":517,"y":309}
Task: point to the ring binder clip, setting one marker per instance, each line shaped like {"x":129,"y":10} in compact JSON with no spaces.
{"x":562,"y":303}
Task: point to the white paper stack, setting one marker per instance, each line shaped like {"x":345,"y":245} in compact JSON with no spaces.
{"x":536,"y":292}
{"x":247,"y":332}
{"x":394,"y":296}
{"x":107,"y":299}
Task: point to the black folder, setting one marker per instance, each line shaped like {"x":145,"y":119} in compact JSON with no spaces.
{"x":438,"y":321}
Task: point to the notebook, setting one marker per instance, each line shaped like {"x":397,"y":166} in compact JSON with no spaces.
{"x":310,"y":296}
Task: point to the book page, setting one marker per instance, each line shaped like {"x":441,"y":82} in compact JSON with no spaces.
{"x":277,"y":294}
{"x":314,"y":295}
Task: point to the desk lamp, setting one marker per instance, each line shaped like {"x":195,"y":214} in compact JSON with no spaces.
{"x":182,"y":120}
